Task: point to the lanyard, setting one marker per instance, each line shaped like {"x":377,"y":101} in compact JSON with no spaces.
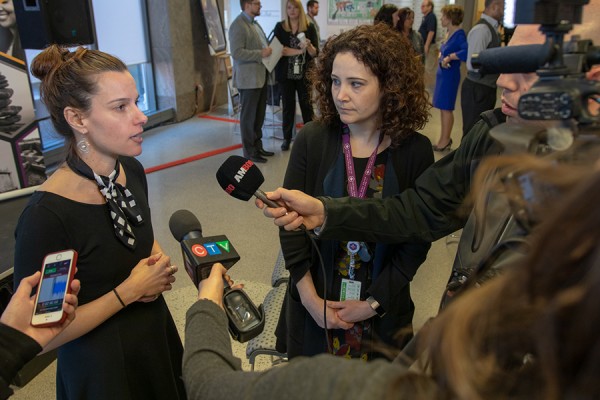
{"x":354,"y":247}
{"x":364,"y":182}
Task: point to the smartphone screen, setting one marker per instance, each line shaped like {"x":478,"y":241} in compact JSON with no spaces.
{"x":57,"y":273}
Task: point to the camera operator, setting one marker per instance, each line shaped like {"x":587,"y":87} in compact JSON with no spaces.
{"x":432,"y":209}
{"x":532,"y":333}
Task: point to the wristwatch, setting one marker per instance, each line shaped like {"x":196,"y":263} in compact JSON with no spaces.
{"x":375,"y":306}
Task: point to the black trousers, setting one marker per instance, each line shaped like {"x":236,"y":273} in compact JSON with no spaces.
{"x":289,"y":88}
{"x":253,"y":103}
{"x":475,"y":98}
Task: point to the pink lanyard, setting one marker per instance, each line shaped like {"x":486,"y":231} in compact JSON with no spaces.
{"x":364,"y":183}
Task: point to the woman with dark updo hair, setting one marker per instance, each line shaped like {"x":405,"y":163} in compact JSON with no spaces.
{"x":123,"y":343}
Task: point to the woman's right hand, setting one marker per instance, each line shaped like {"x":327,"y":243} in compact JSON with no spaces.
{"x":149,"y":278}
{"x":315,"y":308}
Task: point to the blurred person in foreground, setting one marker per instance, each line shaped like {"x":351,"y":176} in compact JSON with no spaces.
{"x":434,"y":208}
{"x":531,"y":333}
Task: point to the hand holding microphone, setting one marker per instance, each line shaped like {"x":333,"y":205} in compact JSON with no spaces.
{"x":212,"y":288}
{"x":301,"y":211}
{"x":208,"y":258}
{"x":241,"y":178}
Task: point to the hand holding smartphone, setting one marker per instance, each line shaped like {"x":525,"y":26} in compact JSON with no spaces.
{"x":58,"y":270}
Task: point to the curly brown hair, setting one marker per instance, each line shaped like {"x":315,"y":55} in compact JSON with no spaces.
{"x":389,"y":56}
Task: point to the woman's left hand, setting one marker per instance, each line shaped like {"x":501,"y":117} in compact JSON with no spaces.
{"x":352,"y":310}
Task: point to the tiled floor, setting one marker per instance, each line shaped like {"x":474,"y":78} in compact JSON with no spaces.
{"x":193,"y":186}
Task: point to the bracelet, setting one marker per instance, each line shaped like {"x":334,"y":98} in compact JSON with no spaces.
{"x":119,"y":297}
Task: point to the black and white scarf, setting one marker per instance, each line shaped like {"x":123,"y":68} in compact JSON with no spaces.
{"x":121,"y":203}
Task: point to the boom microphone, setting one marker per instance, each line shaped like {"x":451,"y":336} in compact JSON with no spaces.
{"x":241,"y":178}
{"x":512,"y":59}
{"x":200,"y":253}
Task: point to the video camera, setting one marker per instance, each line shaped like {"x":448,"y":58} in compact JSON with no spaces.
{"x":562,"y":91}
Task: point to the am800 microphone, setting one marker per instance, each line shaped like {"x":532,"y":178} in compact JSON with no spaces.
{"x":241,"y":178}
{"x":200,"y":253}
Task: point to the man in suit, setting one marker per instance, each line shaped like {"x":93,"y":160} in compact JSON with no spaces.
{"x":249,"y":46}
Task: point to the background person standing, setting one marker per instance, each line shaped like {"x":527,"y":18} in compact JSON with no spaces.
{"x":478,"y":93}
{"x":300,"y":45}
{"x":406,"y":19}
{"x":428,"y":30}
{"x":249,"y":46}
{"x":447,"y":79}
{"x":312,"y":10}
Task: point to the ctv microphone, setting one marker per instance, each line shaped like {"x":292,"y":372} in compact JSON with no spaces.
{"x":241,"y":178}
{"x":200,"y":253}
{"x":246,"y":320}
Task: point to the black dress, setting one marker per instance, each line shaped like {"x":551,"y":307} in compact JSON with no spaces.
{"x":136,"y":353}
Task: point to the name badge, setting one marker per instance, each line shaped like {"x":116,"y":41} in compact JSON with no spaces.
{"x":296,"y":69}
{"x":350,"y":290}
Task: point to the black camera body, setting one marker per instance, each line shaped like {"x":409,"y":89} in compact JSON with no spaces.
{"x":562,"y":91}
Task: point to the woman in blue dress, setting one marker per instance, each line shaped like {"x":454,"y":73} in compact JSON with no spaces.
{"x":452,"y":52}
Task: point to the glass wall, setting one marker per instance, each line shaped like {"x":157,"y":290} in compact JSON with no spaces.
{"x":121,"y":30}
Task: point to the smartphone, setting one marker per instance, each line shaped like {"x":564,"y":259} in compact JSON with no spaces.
{"x":58,"y":270}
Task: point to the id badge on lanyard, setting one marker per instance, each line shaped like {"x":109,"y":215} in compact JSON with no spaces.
{"x":350,"y":289}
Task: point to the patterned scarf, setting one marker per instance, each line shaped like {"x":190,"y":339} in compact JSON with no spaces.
{"x":121,"y":203}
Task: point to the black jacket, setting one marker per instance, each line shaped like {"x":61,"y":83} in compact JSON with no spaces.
{"x":316,"y":167}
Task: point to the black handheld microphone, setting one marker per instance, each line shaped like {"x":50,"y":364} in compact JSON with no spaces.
{"x":246,"y":321}
{"x":200,"y":253}
{"x":241,"y":178}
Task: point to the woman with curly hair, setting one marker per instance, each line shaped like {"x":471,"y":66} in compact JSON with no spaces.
{"x":370,"y":91}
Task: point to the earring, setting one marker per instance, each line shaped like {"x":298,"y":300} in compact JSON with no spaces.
{"x":84,"y":146}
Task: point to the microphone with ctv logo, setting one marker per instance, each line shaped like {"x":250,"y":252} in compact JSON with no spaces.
{"x":199,"y":252}
{"x":241,"y":178}
{"x":246,"y":321}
